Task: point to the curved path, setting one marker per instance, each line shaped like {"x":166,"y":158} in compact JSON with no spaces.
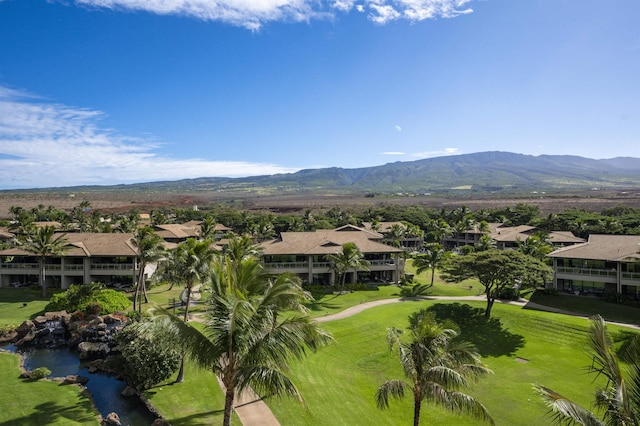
{"x":253,"y":411}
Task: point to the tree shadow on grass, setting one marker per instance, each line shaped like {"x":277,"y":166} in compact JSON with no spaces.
{"x":487,"y":334}
{"x":322,"y":301}
{"x":51,"y":412}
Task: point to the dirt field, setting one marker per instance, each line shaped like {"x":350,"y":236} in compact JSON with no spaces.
{"x":114,"y":200}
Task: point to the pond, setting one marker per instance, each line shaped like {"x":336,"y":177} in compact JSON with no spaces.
{"x":105,"y":390}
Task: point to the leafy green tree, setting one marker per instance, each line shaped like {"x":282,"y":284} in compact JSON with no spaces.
{"x":436,"y":366}
{"x":430,"y":260}
{"x":349,"y":257}
{"x":247,"y":341}
{"x":150,"y":250}
{"x":497,"y":270}
{"x":43,"y":243}
{"x":149,"y":359}
{"x":619,"y":399}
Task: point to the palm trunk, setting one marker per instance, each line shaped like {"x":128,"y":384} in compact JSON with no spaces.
{"x":433,"y":276}
{"x":228,"y":405}
{"x":417,"y":404}
{"x":42,"y":278}
{"x":186,"y":308}
{"x":180,"y":377}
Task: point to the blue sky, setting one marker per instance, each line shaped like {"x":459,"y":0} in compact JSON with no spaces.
{"x":122,"y":91}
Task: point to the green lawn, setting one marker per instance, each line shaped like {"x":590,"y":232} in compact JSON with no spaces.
{"x":40,"y":403}
{"x":589,"y":306}
{"x":521,"y":346}
{"x":19,"y":304}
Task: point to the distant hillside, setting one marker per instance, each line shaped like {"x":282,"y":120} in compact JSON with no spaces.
{"x":500,"y":172}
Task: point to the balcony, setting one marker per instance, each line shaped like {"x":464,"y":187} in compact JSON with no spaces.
{"x":112,"y":266}
{"x":587,"y":271}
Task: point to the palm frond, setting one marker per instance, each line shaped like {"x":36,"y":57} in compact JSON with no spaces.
{"x":390,"y":389}
{"x":565,"y":411}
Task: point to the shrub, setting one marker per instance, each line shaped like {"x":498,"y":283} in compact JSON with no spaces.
{"x":78,"y":298}
{"x":93,"y":308}
{"x":148,"y":360}
{"x":111,"y":301}
{"x":40,"y":373}
{"x":509,"y":293}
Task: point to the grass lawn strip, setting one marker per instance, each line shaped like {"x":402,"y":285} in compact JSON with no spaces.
{"x":44,"y":402}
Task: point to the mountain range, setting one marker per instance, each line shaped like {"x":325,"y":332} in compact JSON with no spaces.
{"x":497,"y":172}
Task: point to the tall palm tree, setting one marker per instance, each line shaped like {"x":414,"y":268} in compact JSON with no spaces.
{"x":430,"y":260}
{"x":619,"y":399}
{"x":349,"y":257}
{"x":43,"y":243}
{"x":150,"y":250}
{"x":193,"y":264}
{"x":192,"y":260}
{"x":436,"y":365}
{"x":245,"y":342}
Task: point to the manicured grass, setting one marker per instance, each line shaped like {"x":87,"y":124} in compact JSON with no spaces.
{"x":442,"y":288}
{"x":589,"y":306}
{"x":521,"y":347}
{"x":12,"y":305}
{"x":40,"y":403}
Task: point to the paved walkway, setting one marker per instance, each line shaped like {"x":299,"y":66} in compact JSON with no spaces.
{"x":253,"y":411}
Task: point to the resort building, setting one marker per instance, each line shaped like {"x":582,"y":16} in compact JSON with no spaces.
{"x":407,"y":241}
{"x":89,"y":257}
{"x":507,"y":237}
{"x":306,"y":254}
{"x":603,"y":264}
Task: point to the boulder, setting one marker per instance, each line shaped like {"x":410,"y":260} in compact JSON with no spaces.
{"x":129,"y":391}
{"x":160,"y":422}
{"x":112,"y":419}
{"x":75,"y":380}
{"x":89,"y":350}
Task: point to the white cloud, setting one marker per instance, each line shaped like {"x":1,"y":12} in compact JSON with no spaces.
{"x":44,"y":144}
{"x":394,"y":153}
{"x":429,"y":154}
{"x":398,"y":128}
{"x":252,"y":14}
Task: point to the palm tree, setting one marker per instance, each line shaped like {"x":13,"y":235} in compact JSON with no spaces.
{"x":619,"y":399}
{"x":396,"y":234}
{"x":241,"y":247}
{"x":430,"y":260}
{"x":150,"y":250}
{"x":192,"y":260}
{"x":193,"y":263}
{"x":43,"y":243}
{"x":208,"y":229}
{"x":349,"y":257}
{"x":436,"y":365}
{"x":245,"y":342}
{"x":485,"y":243}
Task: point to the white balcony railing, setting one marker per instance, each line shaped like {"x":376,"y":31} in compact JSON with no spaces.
{"x":588,"y":271}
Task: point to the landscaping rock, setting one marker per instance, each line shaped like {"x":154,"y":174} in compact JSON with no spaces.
{"x":112,"y":419}
{"x":129,"y":391}
{"x":160,"y":422}
{"x":75,"y":380}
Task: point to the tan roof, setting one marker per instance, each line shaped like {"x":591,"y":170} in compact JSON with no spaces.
{"x":522,"y":232}
{"x":87,"y":244}
{"x":325,"y":241}
{"x":177,"y":230}
{"x":603,"y":247}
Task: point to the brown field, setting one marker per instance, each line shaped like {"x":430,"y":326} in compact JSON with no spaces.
{"x":113,"y":200}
